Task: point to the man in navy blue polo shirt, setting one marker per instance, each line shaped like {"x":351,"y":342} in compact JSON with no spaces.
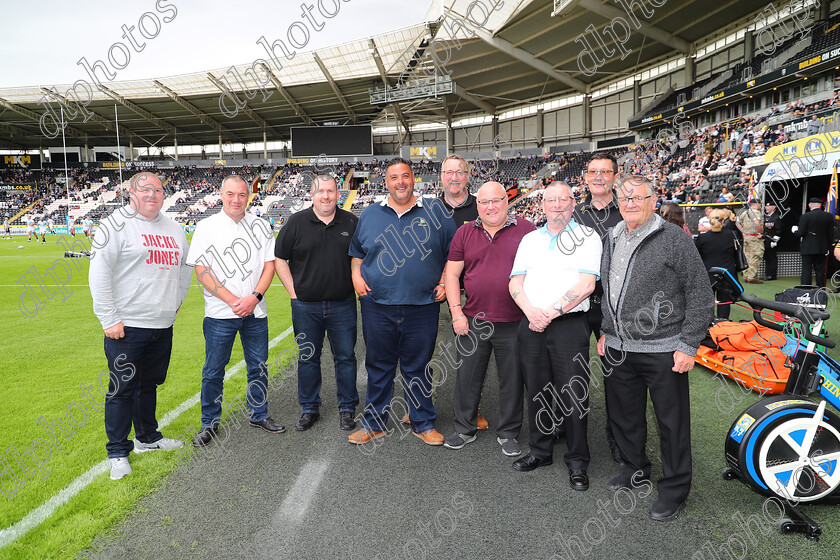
{"x":483,"y":250}
{"x":315,"y":242}
{"x":398,"y":254}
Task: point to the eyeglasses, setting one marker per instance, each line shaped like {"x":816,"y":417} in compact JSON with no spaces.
{"x":490,"y":201}
{"x":560,"y":199}
{"x":450,"y":173}
{"x":603,"y":173}
{"x":637,"y":199}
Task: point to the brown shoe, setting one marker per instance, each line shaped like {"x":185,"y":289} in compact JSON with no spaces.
{"x":431,"y":437}
{"x":481,"y":423}
{"x":364,"y":436}
{"x":754,"y":281}
{"x":406,"y":419}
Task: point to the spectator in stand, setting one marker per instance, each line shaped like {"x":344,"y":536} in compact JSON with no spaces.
{"x":725,"y":196}
{"x":673,"y":213}
{"x":705,"y":225}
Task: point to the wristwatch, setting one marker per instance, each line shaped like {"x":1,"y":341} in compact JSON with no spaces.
{"x":258,"y":295}
{"x":559,"y":307}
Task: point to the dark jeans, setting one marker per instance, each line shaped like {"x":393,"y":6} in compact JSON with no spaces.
{"x":219,"y":335}
{"x":338,"y":320}
{"x":404,"y":335}
{"x":817,"y":262}
{"x":474,"y":353}
{"x":554,"y":366}
{"x":138,"y":364}
{"x":628,"y":389}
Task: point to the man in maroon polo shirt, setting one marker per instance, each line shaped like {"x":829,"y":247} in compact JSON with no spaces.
{"x":484,"y":250}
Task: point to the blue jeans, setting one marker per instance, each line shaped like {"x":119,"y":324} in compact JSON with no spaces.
{"x":338,"y":320}
{"x":137,"y":363}
{"x":403,"y":334}
{"x":219,"y":335}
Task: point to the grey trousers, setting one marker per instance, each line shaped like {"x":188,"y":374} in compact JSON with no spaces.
{"x":474,"y":355}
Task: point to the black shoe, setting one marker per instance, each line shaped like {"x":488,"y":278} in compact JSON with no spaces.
{"x":665,"y":510}
{"x":205,"y":436}
{"x":307,"y":419}
{"x":616,"y":453}
{"x":345,"y":421}
{"x":625,"y":481}
{"x":529,"y":463}
{"x":578,"y":480}
{"x":269,"y":425}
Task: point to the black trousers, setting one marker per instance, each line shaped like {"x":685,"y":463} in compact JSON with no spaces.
{"x":771,"y":261}
{"x":630,"y":382}
{"x":474,"y":354}
{"x":817,"y":262}
{"x":554,"y":365}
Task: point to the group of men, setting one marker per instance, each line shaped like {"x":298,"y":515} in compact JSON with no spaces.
{"x":762,"y":231}
{"x":532,"y":297}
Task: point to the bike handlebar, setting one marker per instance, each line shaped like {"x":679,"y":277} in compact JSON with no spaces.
{"x":807,"y":316}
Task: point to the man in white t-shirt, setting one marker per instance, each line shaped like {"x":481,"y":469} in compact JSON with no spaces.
{"x":233,"y":255}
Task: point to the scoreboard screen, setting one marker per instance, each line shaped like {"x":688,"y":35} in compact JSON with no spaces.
{"x":310,"y":141}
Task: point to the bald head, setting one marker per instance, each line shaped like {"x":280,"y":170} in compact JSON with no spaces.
{"x":490,"y":189}
{"x":492,"y":203}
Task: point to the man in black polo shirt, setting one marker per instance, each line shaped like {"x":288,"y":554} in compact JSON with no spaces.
{"x":600,"y":212}
{"x":315,"y":242}
{"x":455,"y":190}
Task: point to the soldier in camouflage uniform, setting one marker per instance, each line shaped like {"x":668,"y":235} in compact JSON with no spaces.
{"x":751,"y":224}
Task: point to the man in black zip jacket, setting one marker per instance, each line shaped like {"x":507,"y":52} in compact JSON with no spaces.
{"x":600,"y":212}
{"x":657,"y":306}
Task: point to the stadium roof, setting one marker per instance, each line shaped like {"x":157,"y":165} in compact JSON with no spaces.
{"x":517,"y":55}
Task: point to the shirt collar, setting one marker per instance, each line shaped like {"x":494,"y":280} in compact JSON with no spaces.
{"x":553,"y":239}
{"x":418,"y":202}
{"x":511,"y":221}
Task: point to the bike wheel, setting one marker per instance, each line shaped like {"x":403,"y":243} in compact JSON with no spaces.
{"x":787,"y":447}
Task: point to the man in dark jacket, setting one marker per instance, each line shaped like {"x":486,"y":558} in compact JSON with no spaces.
{"x":599,"y":211}
{"x":772,"y":228}
{"x":657,"y":306}
{"x":816,"y":228}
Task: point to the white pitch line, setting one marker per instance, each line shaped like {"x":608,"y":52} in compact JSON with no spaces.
{"x":45,"y":510}
{"x":300,"y":496}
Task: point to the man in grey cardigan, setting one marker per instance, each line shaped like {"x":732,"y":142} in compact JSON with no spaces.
{"x":657,"y":307}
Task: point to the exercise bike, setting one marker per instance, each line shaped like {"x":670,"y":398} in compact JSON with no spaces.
{"x":788,"y":446}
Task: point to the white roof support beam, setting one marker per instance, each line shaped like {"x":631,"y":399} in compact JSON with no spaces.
{"x":334,"y":86}
{"x":472,"y":99}
{"x":524,"y":56}
{"x":68,"y":130}
{"x":160,"y":123}
{"x":299,"y":111}
{"x":656,"y":33}
{"x":98,"y":119}
{"x":253,"y":115}
{"x":192,"y":109}
{"x":381,"y":67}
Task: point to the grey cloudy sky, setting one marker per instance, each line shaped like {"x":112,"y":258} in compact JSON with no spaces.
{"x":43,"y":40}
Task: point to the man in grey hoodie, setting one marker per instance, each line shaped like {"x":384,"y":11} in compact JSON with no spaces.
{"x":138,"y":279}
{"x":657,"y":307}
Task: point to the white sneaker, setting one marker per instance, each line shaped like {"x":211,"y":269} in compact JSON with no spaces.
{"x":120,"y":468}
{"x":163,"y":444}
